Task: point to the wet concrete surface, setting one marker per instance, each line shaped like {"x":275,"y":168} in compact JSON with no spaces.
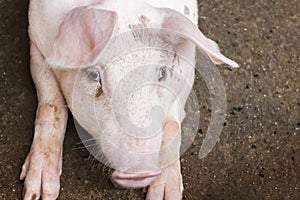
{"x":257,"y":156}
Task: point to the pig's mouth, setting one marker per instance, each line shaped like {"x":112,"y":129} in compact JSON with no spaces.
{"x":135,"y":180}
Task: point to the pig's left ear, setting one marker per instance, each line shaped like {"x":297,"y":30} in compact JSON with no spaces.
{"x":175,"y":21}
{"x":81,"y":37}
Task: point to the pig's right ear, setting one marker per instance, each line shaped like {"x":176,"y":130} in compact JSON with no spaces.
{"x":82,"y":35}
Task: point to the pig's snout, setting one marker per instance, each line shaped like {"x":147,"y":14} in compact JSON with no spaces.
{"x":137,"y":177}
{"x":135,"y":180}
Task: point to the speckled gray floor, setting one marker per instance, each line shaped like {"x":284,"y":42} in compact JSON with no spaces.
{"x":258,"y":153}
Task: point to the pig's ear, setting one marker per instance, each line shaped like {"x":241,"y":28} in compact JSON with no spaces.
{"x":81,"y":37}
{"x":175,"y":21}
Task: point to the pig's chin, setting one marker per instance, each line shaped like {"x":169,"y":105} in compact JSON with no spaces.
{"x":135,"y":180}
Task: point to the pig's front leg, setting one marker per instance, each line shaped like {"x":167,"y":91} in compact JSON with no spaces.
{"x":168,"y":186}
{"x":42,"y":167}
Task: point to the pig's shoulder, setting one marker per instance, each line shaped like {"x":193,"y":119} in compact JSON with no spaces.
{"x":45,"y":18}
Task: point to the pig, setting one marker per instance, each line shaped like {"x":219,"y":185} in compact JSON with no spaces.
{"x":71,"y":63}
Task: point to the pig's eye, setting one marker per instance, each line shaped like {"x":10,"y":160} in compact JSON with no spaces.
{"x":162,"y":73}
{"x":93,"y":74}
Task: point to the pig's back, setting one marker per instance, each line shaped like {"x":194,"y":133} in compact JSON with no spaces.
{"x":46,"y":16}
{"x":187,"y":7}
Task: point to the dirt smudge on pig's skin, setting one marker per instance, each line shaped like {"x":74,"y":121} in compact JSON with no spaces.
{"x":98,"y":92}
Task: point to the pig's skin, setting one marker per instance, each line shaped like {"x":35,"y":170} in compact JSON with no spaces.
{"x":42,"y":167}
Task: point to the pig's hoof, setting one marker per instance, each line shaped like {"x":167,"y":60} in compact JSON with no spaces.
{"x":168,"y":186}
{"x":41,"y":173}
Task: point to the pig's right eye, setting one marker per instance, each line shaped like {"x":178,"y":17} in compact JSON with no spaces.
{"x":94,"y":74}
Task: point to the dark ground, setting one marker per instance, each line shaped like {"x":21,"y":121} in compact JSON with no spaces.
{"x":258,"y":156}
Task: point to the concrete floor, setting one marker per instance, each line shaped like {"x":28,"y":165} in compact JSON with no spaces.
{"x":257,"y":156}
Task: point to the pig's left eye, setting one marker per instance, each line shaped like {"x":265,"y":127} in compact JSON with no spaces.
{"x":162,"y":73}
{"x":93,"y":74}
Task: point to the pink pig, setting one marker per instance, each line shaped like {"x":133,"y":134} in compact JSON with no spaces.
{"x":68,"y":38}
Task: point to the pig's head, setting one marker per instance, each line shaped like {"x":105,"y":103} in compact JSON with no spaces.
{"x":129,"y":91}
